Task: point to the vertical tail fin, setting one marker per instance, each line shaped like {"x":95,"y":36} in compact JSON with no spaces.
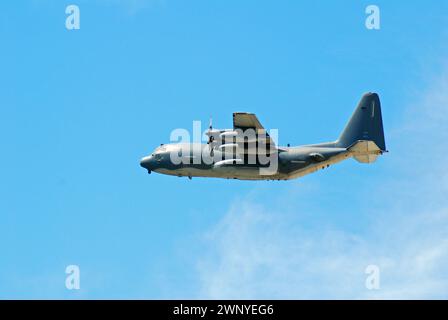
{"x":365,"y":124}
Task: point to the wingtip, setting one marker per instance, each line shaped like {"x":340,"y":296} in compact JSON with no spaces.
{"x":242,"y":113}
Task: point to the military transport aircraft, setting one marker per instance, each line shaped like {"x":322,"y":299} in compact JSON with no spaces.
{"x":248,"y":152}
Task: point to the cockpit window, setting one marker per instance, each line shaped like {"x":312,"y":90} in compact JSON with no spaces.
{"x":158,"y":157}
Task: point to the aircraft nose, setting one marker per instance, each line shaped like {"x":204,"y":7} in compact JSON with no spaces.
{"x":145,"y":162}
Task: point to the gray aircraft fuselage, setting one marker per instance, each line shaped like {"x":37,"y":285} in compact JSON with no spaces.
{"x":362,"y":139}
{"x":292,"y":162}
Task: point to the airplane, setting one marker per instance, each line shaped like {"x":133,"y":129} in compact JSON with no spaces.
{"x":234,"y":154}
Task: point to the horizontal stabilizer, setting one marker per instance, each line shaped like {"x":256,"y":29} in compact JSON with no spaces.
{"x":368,"y":158}
{"x":365,"y":151}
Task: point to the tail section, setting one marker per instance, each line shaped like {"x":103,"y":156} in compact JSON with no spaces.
{"x":364,"y":134}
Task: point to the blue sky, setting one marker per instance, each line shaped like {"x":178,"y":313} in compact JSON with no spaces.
{"x":80,"y":108}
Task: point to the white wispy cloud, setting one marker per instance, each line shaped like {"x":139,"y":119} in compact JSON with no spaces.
{"x":260,"y":251}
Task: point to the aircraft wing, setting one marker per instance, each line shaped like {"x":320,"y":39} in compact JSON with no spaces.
{"x":245,"y":121}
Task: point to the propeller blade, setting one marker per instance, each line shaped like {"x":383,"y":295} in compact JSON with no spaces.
{"x":210,"y":128}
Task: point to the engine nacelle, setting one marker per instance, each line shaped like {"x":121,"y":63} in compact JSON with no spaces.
{"x":228,"y":146}
{"x":228,"y":134}
{"x":227,"y":162}
{"x":240,"y":137}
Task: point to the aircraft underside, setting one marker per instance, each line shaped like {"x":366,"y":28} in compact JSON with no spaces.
{"x":242,"y":172}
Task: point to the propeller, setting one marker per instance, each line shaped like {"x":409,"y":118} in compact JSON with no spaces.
{"x":210,"y":128}
{"x":210,"y":136}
